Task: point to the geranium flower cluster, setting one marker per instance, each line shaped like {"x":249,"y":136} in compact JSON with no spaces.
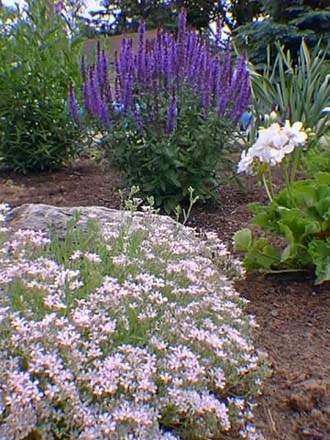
{"x":158,"y":72}
{"x":141,"y":337}
{"x":272,"y":145}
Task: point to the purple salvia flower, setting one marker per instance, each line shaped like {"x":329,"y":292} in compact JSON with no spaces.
{"x":195,"y":54}
{"x":58,"y":6}
{"x":103,"y":113}
{"x":157,"y":55}
{"x":196,"y":71}
{"x":128,"y":93}
{"x":225,"y":72}
{"x":215,"y":78}
{"x":174,"y":61}
{"x":105,"y":73}
{"x":182,"y":24}
{"x":218,"y":33}
{"x":141,"y":52}
{"x":95,"y":93}
{"x":166,"y":63}
{"x":102,"y":72}
{"x":91,"y":90}
{"x":222,"y":101}
{"x":242,"y":99}
{"x":240,"y":69}
{"x":73,"y":104}
{"x":186,"y":53}
{"x":236,"y":81}
{"x":86,"y":97}
{"x":165,"y":68}
{"x":171,"y":115}
{"x":246,"y":90}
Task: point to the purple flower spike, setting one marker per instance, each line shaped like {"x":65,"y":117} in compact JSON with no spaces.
{"x":86,"y":97}
{"x":141,"y":52}
{"x":73,"y":104}
{"x":58,"y":6}
{"x":103,"y":113}
{"x":182,"y":21}
{"x":218,"y":33}
{"x":171,"y":115}
{"x":160,"y":71}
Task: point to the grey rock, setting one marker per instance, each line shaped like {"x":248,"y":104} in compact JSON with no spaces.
{"x":53,"y":219}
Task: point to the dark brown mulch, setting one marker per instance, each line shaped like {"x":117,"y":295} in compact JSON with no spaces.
{"x":293,"y":315}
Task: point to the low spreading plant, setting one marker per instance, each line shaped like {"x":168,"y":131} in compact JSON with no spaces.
{"x":128,"y":332}
{"x":169,"y":112}
{"x":37,"y":60}
{"x":299,"y":213}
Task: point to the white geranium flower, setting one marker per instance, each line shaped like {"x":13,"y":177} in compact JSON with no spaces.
{"x":271,"y":155}
{"x":272,"y":145}
{"x":295,"y":134}
{"x":246,"y":162}
{"x":271,"y":136}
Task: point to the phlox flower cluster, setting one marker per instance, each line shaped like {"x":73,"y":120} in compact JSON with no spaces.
{"x":153,"y":350}
{"x":160,"y":71}
{"x":4,"y":209}
{"x":272,"y":145}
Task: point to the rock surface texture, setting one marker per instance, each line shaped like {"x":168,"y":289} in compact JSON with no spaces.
{"x":54,"y":219}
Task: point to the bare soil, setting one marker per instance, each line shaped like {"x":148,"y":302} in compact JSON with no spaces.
{"x":293,"y":315}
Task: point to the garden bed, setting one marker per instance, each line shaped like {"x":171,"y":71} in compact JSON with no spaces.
{"x":293,"y":315}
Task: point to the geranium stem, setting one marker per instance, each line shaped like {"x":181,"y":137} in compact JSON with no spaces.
{"x":287,"y":179}
{"x":264,"y":181}
{"x":296,"y":157}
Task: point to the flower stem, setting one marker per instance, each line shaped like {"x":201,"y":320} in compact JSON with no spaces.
{"x":268,"y":191}
{"x":296,"y":158}
{"x":287,"y":179}
{"x":285,"y":173}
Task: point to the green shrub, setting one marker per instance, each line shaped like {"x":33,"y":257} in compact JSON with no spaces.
{"x":37,"y":60}
{"x":166,"y":166}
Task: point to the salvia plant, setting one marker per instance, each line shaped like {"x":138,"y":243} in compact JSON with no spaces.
{"x":168,"y":110}
{"x":121,"y":332}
